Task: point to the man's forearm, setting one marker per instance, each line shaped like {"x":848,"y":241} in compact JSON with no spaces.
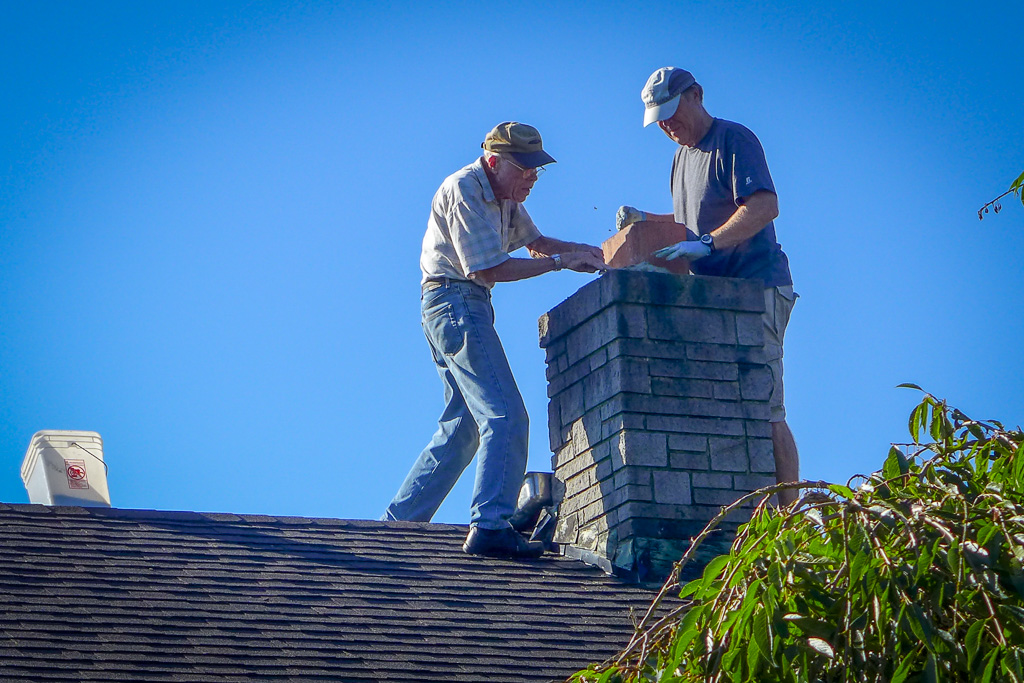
{"x":759,"y":210}
{"x":549,"y":246}
{"x":749,"y":219}
{"x":514,"y":269}
{"x":660,"y":217}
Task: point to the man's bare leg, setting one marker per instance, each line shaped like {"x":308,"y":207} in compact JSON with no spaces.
{"x":787,"y":460}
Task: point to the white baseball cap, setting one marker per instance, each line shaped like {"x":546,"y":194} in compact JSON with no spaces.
{"x":661,"y":93}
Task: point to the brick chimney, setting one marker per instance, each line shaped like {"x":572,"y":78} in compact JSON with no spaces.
{"x":658,"y":414}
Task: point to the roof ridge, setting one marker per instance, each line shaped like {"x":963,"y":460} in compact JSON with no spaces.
{"x":188,"y":515}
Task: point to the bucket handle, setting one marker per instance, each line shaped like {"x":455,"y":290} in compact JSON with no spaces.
{"x":106,"y":469}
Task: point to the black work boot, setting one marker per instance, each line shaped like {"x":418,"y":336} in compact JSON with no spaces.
{"x":500,"y":543}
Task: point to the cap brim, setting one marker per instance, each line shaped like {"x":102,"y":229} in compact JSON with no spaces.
{"x":532,"y":159}
{"x":661,"y":112}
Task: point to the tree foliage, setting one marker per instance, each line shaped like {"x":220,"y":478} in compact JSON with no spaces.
{"x":914,"y":573}
{"x":1016,"y":188}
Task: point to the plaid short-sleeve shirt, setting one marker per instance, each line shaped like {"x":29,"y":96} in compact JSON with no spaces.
{"x":469,"y":229}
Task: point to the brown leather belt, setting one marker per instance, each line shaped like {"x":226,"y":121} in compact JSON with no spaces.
{"x":435,"y":282}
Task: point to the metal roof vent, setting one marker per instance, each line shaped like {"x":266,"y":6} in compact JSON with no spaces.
{"x":66,"y":468}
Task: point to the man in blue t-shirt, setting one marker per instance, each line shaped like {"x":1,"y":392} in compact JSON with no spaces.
{"x":723,"y":193}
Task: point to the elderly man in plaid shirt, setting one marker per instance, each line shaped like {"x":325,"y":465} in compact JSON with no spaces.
{"x":476,"y":220}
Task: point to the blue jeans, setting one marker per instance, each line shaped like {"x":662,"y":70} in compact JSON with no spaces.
{"x":484,"y":413}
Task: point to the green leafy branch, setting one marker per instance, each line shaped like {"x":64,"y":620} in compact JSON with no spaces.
{"x":916,"y":573}
{"x":1015,"y":188}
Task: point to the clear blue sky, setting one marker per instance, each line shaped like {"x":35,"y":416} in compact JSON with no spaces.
{"x":211,"y":214}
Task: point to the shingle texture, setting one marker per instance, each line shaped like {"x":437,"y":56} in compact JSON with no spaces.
{"x":131,"y":595}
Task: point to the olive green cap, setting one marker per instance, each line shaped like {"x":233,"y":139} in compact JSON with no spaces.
{"x":520,"y":141}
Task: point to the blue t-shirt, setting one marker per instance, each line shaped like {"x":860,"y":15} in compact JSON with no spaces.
{"x":709,"y":182}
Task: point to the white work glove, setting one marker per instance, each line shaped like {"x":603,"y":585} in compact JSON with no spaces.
{"x":627,"y":215}
{"x":691,"y":249}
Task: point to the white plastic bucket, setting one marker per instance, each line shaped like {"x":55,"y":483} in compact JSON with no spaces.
{"x":66,"y":468}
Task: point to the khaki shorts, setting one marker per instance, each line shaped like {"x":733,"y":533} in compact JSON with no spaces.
{"x":778,"y":305}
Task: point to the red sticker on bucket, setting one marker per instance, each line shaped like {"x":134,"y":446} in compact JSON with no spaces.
{"x":77,"y":477}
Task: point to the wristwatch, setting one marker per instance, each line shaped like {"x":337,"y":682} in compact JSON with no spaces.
{"x":557,"y":258}
{"x":708,"y":241}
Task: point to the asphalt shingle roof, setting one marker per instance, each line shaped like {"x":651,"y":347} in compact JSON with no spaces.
{"x":91,"y":594}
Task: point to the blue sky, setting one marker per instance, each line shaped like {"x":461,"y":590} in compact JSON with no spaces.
{"x":211,"y":214}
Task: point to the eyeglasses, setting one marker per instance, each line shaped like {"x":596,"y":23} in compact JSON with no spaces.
{"x":538,"y":170}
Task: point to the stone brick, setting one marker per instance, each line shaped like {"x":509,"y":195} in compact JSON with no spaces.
{"x":622,"y":320}
{"x":691,"y":325}
{"x":638,"y":476}
{"x":756,"y":410}
{"x":643,"y":448}
{"x":583,"y":433}
{"x":582,"y":498}
{"x":571,"y":375}
{"x":762,"y":456}
{"x":715,"y":496}
{"x":623,"y":286}
{"x":603,"y":449}
{"x":662,"y":289}
{"x":566,"y":526}
{"x":729,"y":455}
{"x":586,"y":497}
{"x":551,"y":370}
{"x":569,"y":314}
{"x":752,"y":482}
{"x":621,"y":421}
{"x":725,"y":353}
{"x":554,"y":350}
{"x":687,"y":442}
{"x":597,"y":359}
{"x":570,"y":403}
{"x":566,"y":465}
{"x":616,"y":376}
{"x":761,"y":428}
{"x":683,"y":460}
{"x":578,"y":346}
{"x":712,"y":480}
{"x":695,"y":425}
{"x":558,"y":487}
{"x":595,"y":536}
{"x":544,"y":330}
{"x":556,"y":435}
{"x":677,"y":386}
{"x":563,"y":456}
{"x":726,"y":391}
{"x":583,"y":480}
{"x":692,"y":512}
{"x":637,"y":243}
{"x":649,"y":528}
{"x":634,"y":492}
{"x":697,"y":407}
{"x":647,"y":349}
{"x":756,"y":382}
{"x":630,"y":321}
{"x":594,"y":511}
{"x":662,"y":367}
{"x":749,"y":329}
{"x":665,"y":514}
{"x":728,"y":293}
{"x":672,"y":487}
